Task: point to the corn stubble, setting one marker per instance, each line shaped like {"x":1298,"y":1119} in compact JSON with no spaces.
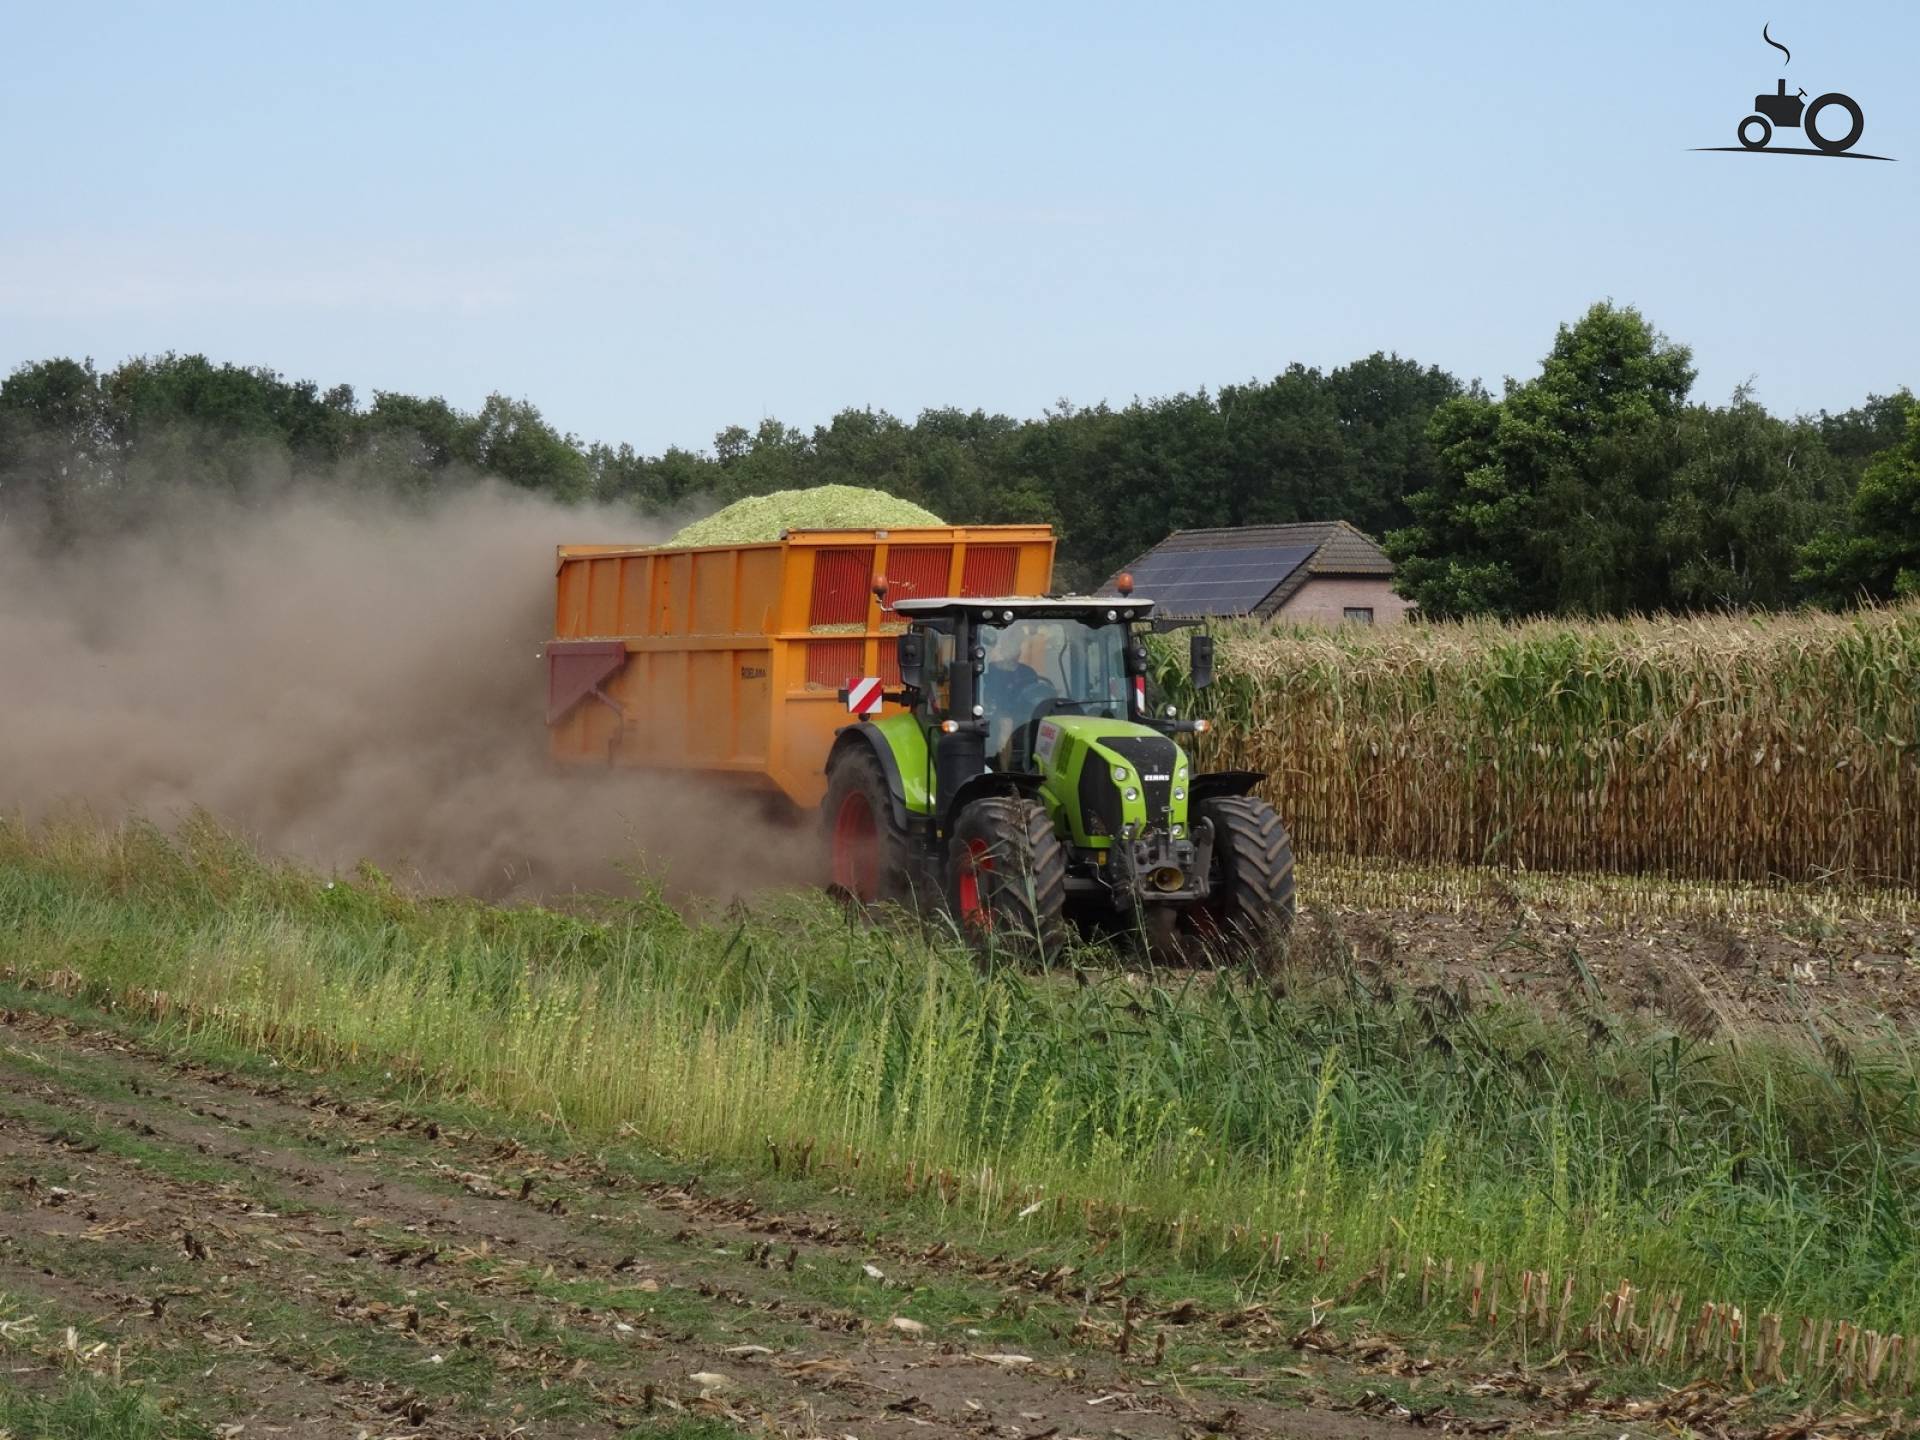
{"x":1724,"y":748}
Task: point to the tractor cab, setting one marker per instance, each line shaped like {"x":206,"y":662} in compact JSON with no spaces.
{"x":1004,"y":666}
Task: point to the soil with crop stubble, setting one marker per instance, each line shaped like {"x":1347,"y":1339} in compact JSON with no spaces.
{"x":1684,"y":958}
{"x":278,"y":1258}
{"x":330,"y":1269}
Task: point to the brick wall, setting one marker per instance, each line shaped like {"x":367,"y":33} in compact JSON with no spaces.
{"x":1326,"y":598}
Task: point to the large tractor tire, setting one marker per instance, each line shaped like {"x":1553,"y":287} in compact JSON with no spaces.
{"x":1007,"y":877}
{"x":867,"y":849}
{"x":1252,"y":904}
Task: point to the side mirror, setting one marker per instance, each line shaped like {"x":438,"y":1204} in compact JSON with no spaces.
{"x":912,"y":655}
{"x":1200,"y":661}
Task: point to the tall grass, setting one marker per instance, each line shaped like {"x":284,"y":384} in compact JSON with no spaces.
{"x":1727,"y":748}
{"x":1243,"y":1127}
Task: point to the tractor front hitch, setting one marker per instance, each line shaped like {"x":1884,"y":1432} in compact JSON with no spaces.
{"x":1158,"y":867}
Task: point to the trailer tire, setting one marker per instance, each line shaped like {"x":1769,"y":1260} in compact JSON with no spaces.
{"x":1007,"y":877}
{"x":1252,"y":902}
{"x":867,"y":849}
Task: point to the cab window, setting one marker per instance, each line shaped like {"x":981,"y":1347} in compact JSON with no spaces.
{"x":1039,"y":666}
{"x":939,"y":672}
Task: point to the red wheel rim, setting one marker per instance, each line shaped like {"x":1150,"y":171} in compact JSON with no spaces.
{"x":856,"y":848}
{"x":967,"y":898}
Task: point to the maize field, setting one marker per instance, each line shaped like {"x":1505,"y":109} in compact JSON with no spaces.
{"x":1753,"y":749}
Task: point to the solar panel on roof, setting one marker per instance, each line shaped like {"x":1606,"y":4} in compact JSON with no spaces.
{"x":1215,"y":582}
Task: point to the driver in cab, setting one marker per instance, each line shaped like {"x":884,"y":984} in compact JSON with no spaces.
{"x":1012,"y":690}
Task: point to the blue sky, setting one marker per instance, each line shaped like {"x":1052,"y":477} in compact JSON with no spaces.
{"x":655,"y":221}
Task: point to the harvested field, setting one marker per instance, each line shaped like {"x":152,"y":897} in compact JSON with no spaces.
{"x":300,"y":1155}
{"x":1700,"y":957}
{"x":322,"y":1266}
{"x":269,"y":1255}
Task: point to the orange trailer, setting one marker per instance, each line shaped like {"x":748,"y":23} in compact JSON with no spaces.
{"x":729,"y":660}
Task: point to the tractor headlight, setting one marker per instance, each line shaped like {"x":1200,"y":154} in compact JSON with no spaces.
{"x":1121,"y":774}
{"x":1132,"y":794}
{"x":1176,"y":831}
{"x":1179,"y":794}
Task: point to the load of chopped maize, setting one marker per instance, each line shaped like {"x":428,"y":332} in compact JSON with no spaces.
{"x":824,"y":507}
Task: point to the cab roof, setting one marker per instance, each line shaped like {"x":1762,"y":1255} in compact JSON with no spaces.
{"x":1134,"y":607}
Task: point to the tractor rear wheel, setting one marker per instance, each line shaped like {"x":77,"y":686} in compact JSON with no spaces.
{"x":1007,"y":877}
{"x":1251,"y":902}
{"x":867,"y":848}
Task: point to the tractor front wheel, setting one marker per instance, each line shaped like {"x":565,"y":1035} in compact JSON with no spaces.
{"x":1251,"y":901}
{"x":866,"y":846}
{"x":1007,"y":877}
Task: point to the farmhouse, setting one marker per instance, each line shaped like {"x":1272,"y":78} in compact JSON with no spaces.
{"x":1323,"y":571}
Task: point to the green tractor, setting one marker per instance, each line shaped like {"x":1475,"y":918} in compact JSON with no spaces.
{"x":1025,"y":786}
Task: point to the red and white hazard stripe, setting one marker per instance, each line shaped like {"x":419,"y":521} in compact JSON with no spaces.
{"x":864,"y":695}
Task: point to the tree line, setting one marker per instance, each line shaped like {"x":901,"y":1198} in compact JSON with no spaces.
{"x":1594,"y":487}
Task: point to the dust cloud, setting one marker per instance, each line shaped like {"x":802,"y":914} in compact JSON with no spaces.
{"x":344,"y":677}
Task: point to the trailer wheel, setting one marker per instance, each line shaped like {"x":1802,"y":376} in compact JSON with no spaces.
{"x":866,"y":847}
{"x":1251,"y":902}
{"x":1007,"y":877}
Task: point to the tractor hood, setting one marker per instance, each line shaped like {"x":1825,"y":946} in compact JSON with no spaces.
{"x":1109,"y":774}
